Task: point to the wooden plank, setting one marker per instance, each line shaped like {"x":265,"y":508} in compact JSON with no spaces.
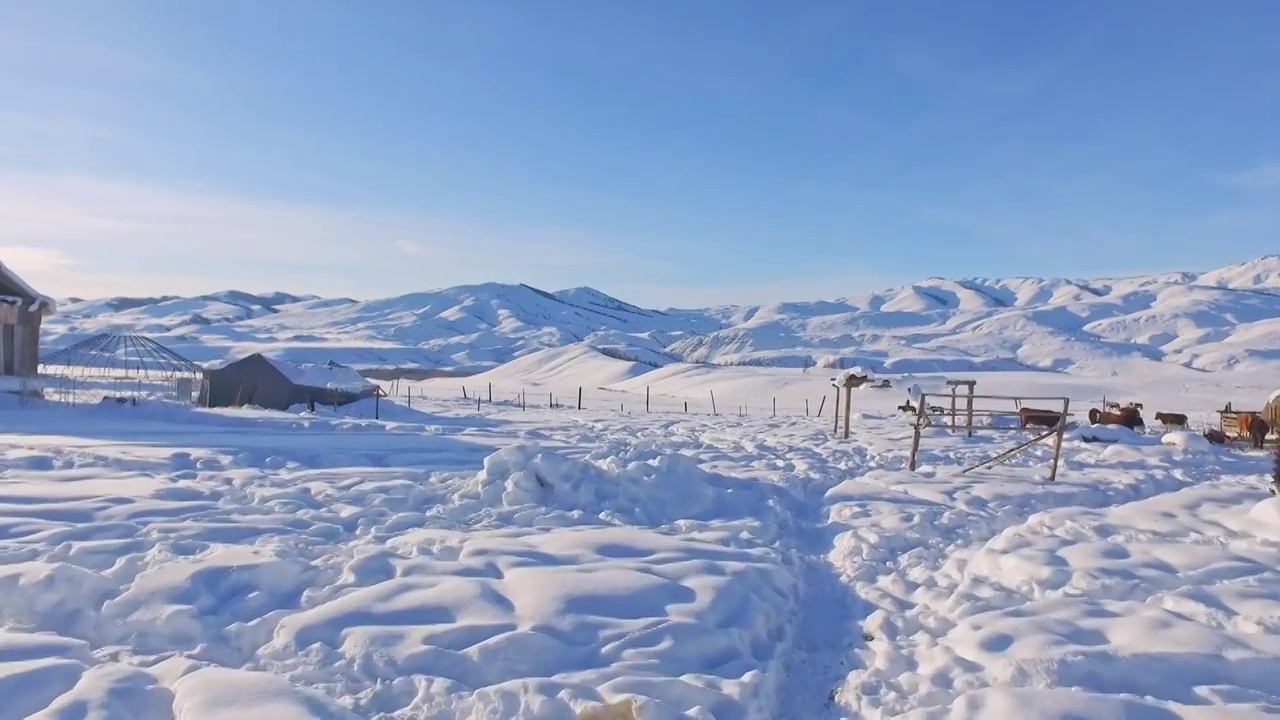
{"x":1011,"y":452}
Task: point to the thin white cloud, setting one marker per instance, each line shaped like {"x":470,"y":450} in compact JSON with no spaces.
{"x":121,"y":237}
{"x":810,"y":288}
{"x":25,"y":259}
{"x":1260,"y":178}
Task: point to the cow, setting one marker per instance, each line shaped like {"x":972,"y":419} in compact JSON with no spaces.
{"x":1129,"y":417}
{"x":1028,"y":417}
{"x":1177,"y":420}
{"x":1215,"y":436}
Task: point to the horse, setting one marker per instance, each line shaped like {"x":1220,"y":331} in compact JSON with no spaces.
{"x":1129,"y":417}
{"x":1171,"y":419}
{"x":906,"y":407}
{"x":1252,"y":427}
{"x":1028,"y":417}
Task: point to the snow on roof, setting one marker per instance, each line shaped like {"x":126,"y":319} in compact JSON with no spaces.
{"x":41,"y":302}
{"x":1274,"y":397}
{"x":329,"y":375}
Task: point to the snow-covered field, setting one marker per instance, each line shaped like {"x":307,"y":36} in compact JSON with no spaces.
{"x":454,"y":563}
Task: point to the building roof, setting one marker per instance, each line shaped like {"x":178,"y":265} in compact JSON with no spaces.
{"x":39,"y":303}
{"x":329,"y":375}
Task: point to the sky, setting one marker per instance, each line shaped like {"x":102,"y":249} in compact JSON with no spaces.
{"x":670,"y":153}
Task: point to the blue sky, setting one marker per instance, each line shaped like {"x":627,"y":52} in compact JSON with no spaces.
{"x":671,"y":153}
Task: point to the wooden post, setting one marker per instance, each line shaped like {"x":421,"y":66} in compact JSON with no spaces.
{"x":953,"y":408}
{"x":821,"y":404}
{"x":477,"y":402}
{"x":915,"y":436}
{"x":968,"y":409}
{"x":806,"y":405}
{"x":464,"y":392}
{"x":1057,"y":440}
{"x":622,"y":407}
{"x":579,"y":397}
{"x":836,"y":428}
{"x":848,"y":407}
{"x":713,"y":401}
{"x":686,"y":406}
{"x":408,"y":400}
{"x":775,"y":407}
{"x":551,"y":402}
{"x":522,"y":400}
{"x":646,"y":398}
{"x":490,"y":392}
{"x":377,"y":411}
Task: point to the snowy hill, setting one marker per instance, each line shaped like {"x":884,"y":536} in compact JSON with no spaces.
{"x":1226,"y":318}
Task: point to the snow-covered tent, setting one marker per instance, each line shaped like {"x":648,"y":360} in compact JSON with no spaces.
{"x":21,"y":311}
{"x":279,"y":385}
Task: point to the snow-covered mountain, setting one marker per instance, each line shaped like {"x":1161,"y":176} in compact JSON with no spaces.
{"x":1225,"y":318}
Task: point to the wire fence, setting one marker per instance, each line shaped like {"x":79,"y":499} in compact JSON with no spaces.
{"x":789,"y":404}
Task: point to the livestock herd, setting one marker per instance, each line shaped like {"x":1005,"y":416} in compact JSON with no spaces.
{"x":1250,"y":426}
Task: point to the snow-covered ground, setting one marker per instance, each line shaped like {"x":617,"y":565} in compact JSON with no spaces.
{"x":454,"y":563}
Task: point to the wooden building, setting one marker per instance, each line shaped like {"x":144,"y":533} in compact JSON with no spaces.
{"x":21,"y":311}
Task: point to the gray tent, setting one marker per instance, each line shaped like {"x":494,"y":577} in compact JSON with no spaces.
{"x":278,"y":385}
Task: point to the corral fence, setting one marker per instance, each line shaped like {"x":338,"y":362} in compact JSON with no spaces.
{"x":1046,"y":417}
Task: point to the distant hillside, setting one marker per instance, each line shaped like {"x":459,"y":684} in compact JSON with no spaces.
{"x":1225,"y":318}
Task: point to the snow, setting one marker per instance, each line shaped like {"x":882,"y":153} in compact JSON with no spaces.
{"x":42,"y":303}
{"x":323,"y":375}
{"x":160,"y":562}
{"x":1224,"y":319}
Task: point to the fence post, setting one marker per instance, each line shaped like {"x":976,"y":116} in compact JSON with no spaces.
{"x":464,"y":392}
{"x":646,"y":398}
{"x":408,"y":399}
{"x":713,"y":401}
{"x":775,"y":407}
{"x":551,"y":403}
{"x":686,"y":406}
{"x":579,"y":397}
{"x":820,"y":405}
{"x":522,"y":404}
{"x":477,"y":402}
{"x":490,"y":392}
{"x":836,"y":412}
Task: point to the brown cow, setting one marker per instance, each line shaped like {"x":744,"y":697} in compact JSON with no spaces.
{"x":1253,"y":428}
{"x":1129,"y":417}
{"x":1042,"y":418}
{"x":1171,"y":419}
{"x":1215,"y":436}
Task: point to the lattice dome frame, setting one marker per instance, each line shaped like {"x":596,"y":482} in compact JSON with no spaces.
{"x":120,"y":367}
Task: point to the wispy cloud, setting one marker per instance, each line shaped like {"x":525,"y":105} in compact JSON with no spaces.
{"x":1260,"y":178}
{"x":114,"y":237}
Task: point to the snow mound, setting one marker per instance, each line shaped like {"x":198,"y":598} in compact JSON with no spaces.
{"x":638,"y":487}
{"x":577,"y":365}
{"x":1186,"y":440}
{"x":1110,"y":434}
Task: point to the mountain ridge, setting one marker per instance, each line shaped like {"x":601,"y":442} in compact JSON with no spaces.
{"x":1217,"y":319}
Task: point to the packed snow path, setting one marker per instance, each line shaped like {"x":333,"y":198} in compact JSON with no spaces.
{"x":161,"y":563}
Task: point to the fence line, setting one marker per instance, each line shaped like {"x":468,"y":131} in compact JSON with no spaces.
{"x":587,"y":398}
